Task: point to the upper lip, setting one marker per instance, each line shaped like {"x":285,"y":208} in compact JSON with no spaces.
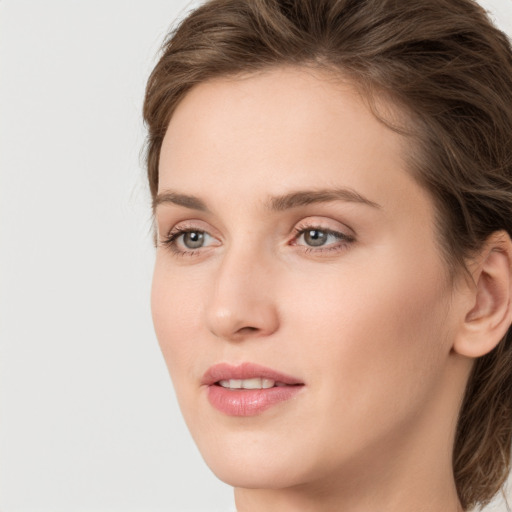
{"x":225,"y":371}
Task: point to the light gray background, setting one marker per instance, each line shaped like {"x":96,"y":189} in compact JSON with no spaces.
{"x":88,"y":418}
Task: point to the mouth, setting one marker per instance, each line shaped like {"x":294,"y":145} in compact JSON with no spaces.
{"x":254,"y":383}
{"x":247,"y":376}
{"x":248,"y":389}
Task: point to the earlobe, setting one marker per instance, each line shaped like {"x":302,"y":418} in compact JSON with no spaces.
{"x":489,"y":317}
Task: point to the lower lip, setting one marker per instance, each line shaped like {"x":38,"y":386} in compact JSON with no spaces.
{"x":248,"y":402}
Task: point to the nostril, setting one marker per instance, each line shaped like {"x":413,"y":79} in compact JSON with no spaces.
{"x":245,"y":330}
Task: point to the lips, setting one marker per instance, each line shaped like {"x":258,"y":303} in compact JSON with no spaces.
{"x":224,"y":371}
{"x":248,"y":389}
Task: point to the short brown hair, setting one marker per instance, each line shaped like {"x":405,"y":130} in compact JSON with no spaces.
{"x":444,"y":64}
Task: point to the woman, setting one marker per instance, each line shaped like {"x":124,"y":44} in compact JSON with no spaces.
{"x":331,"y":183}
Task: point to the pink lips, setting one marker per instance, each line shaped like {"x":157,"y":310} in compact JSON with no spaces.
{"x":247,"y":402}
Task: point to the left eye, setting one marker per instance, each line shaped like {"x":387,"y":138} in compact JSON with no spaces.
{"x":316,"y":237}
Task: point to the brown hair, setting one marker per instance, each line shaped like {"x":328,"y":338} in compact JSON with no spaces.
{"x":444,"y":64}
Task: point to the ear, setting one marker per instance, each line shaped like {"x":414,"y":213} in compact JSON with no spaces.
{"x":488,"y":312}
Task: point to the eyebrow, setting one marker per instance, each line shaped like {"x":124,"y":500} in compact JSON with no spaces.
{"x":274,"y":203}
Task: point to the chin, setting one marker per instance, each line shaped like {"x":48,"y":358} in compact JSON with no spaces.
{"x":253,"y":477}
{"x":259,"y":467}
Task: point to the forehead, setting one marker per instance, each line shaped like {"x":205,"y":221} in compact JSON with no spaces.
{"x":278,"y":130}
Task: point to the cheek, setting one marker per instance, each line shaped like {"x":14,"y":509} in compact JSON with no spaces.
{"x":382,"y":335}
{"x":175,"y":318}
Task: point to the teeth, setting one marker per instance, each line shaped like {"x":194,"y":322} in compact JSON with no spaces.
{"x":267,"y":383}
{"x":256,"y":383}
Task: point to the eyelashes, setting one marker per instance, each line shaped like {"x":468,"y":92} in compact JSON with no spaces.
{"x":308,"y":238}
{"x":195,"y":238}
{"x":317,"y":239}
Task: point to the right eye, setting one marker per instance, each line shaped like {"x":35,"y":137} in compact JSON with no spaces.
{"x":193,"y":239}
{"x":186,"y":241}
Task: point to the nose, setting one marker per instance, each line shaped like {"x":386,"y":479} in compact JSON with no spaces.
{"x":241,"y":303}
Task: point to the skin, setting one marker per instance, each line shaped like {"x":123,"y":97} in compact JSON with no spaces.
{"x":368,"y":322}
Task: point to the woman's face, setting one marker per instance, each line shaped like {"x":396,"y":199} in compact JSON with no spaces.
{"x":296,"y":254}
